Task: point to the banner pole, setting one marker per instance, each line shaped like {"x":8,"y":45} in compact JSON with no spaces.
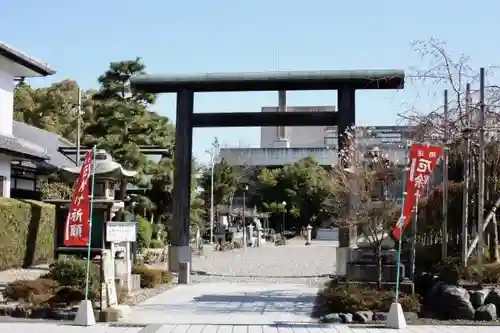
{"x":90,"y":225}
{"x":398,"y":263}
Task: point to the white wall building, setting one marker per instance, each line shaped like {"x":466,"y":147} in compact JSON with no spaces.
{"x":286,"y":145}
{"x":15,"y":65}
{"x":300,"y":136}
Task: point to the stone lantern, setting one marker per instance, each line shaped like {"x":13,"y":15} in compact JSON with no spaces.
{"x":108,"y":175}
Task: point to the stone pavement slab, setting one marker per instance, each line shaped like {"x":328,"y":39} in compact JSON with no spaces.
{"x":44,"y":327}
{"x":227,"y":303}
{"x":41,"y":327}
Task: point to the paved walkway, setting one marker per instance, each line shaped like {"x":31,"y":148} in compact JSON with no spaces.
{"x":293,"y":263}
{"x":264,"y":286}
{"x":283,"y":328}
{"x":227,"y":303}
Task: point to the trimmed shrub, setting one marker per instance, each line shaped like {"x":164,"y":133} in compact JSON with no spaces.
{"x":26,"y":290}
{"x":339,"y":297}
{"x":151,"y":277}
{"x":156,"y":244}
{"x":40,"y":246}
{"x":166,"y":277}
{"x":55,"y":190}
{"x":72,"y":272}
{"x":144,"y":234}
{"x":452,"y":271}
{"x":158,"y":231}
{"x":26,"y":232}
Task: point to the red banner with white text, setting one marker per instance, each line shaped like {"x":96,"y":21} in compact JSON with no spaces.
{"x":77,"y":227}
{"x":423,"y":160}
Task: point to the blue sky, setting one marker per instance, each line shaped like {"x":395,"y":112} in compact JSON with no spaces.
{"x":79,"y":39}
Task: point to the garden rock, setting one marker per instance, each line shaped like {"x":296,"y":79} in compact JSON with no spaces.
{"x":40,"y":313}
{"x":346,"y":318}
{"x":486,"y":312}
{"x":411,"y":316}
{"x":477,"y":297}
{"x":494,"y":298}
{"x":332,"y":318}
{"x":455,"y":303}
{"x":425,"y":282}
{"x":432,"y":298}
{"x":363,"y":316}
{"x":380,"y":316}
{"x":21,"y":312}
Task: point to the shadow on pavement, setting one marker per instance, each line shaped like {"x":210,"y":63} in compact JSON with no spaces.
{"x":274,"y":301}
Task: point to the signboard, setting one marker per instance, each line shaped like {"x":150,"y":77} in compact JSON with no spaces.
{"x":120,"y":231}
{"x":388,"y":134}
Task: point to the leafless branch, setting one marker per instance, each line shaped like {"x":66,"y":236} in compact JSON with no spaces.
{"x":453,"y":73}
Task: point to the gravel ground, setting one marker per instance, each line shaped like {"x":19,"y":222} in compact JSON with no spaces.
{"x":32,"y":273}
{"x":292,"y":263}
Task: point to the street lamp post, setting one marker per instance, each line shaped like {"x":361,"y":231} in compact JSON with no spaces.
{"x":465,"y":193}
{"x":283,"y":223}
{"x":215,"y":145}
{"x":245,"y":189}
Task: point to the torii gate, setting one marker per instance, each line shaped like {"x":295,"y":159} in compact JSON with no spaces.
{"x":185,"y":86}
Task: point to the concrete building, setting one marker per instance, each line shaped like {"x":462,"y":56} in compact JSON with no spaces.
{"x":286,"y":145}
{"x":299,"y":137}
{"x":15,"y":65}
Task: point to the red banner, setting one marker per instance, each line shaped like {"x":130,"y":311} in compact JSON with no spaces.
{"x":77,"y":228}
{"x":423,"y":160}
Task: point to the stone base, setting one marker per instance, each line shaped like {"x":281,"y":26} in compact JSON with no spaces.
{"x":109,"y":315}
{"x":184,"y":272}
{"x":368,"y":272}
{"x":396,"y":317}
{"x":343,"y":256}
{"x":178,"y":254}
{"x":348,"y":236}
{"x":85,"y":314}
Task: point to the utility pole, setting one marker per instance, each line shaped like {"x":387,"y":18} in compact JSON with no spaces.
{"x":444,"y":249}
{"x":480,"y":203}
{"x":215,"y":145}
{"x":78,"y":125}
{"x":466,"y":181}
{"x":245,"y":189}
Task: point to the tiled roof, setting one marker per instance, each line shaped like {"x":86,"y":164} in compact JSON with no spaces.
{"x":46,"y":141}
{"x":17,"y":146}
{"x":23,"y":59}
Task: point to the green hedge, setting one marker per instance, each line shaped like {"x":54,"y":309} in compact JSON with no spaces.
{"x":26,"y":232}
{"x":144,"y":233}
